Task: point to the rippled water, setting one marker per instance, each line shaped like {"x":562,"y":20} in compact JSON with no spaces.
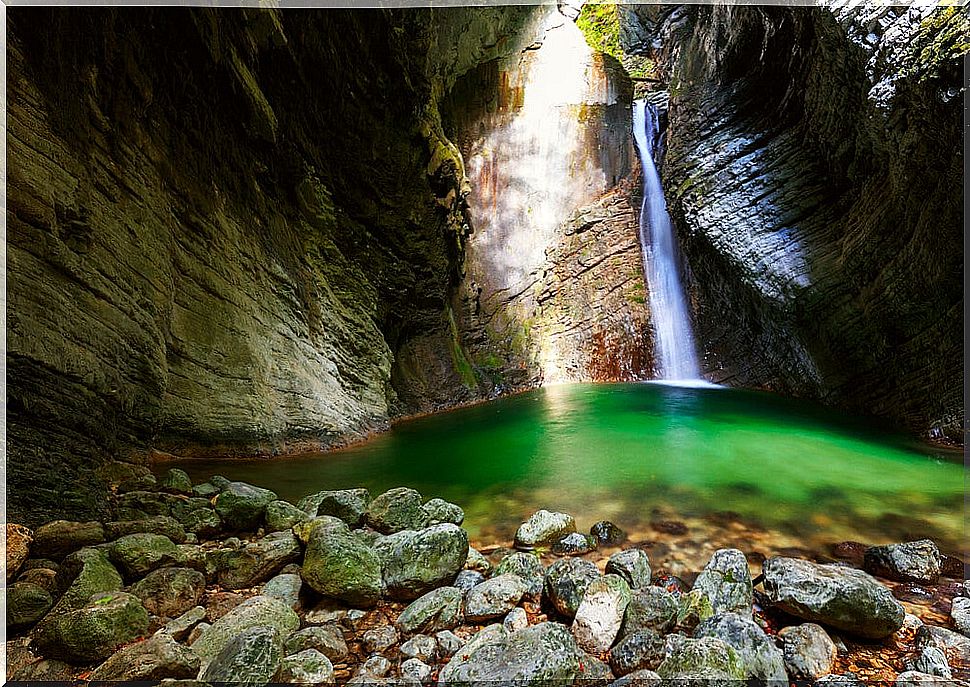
{"x":642,"y":453}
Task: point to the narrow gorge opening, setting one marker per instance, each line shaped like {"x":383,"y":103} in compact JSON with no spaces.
{"x":540,"y":344}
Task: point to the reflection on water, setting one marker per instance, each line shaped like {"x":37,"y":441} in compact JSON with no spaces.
{"x":634,"y":453}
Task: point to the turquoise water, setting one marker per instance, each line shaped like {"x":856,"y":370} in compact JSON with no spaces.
{"x":635,"y":453}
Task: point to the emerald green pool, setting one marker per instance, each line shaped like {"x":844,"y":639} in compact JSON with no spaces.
{"x":639,"y":453}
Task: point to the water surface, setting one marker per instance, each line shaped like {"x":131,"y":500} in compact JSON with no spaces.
{"x":788,"y":472}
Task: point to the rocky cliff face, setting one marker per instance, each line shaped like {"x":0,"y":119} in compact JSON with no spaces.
{"x":813,"y":167}
{"x":553,"y":285}
{"x":227,"y":231}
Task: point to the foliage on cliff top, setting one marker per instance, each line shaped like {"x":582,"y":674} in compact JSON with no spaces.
{"x":942,"y":37}
{"x":600,"y":24}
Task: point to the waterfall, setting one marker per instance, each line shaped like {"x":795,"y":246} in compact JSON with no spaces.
{"x":668,"y":308}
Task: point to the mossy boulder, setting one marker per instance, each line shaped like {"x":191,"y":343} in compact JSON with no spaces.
{"x":544,"y":654}
{"x":338,"y":565}
{"x":241,"y":506}
{"x":327,"y":639}
{"x":633,"y":565}
{"x":652,"y":608}
{"x":726,"y":582}
{"x":94,"y":632}
{"x":396,"y":510}
{"x":527,"y":566}
{"x":257,"y":612}
{"x":26,"y":604}
{"x":258,"y":560}
{"x":763,"y":662}
{"x":307,"y":667}
{"x":640,"y":650}
{"x":413,"y":562}
{"x":170,"y":592}
{"x":708,"y":658}
{"x":176,"y":481}
{"x":251,"y":657}
{"x":439,"y":609}
{"x":136,"y":555}
{"x":347,"y":504}
{"x":58,"y":538}
{"x":282,"y":515}
{"x":494,"y":598}
{"x":155,"y":524}
{"x":440,"y":511}
{"x":156,"y":658}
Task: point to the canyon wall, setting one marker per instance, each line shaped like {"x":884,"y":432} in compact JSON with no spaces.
{"x":228,"y":231}
{"x":814,"y":169}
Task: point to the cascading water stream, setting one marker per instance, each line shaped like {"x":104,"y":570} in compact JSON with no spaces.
{"x":668,"y":308}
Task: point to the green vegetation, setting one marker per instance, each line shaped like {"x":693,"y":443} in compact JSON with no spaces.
{"x":943,"y":37}
{"x":600,"y":24}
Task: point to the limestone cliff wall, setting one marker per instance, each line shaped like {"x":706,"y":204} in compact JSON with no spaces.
{"x":813,"y":171}
{"x":232,"y":230}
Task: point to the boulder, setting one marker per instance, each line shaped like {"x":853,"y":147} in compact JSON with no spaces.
{"x":915,"y":561}
{"x":566,"y":582}
{"x":605,"y":533}
{"x":476,"y":561}
{"x":257,"y":612}
{"x":285,"y":587}
{"x":180,"y":627}
{"x":136,"y":555}
{"x":467,"y":579}
{"x":707,"y":659}
{"x":600,"y":613}
{"x":45,"y":578}
{"x":155,"y":658}
{"x":960,"y":614}
{"x":176,"y":481}
{"x":932,"y":661}
{"x":241,"y":506}
{"x":348,"y":505}
{"x":307,"y":667}
{"x":448,"y":643}
{"x":544,"y":528}
{"x":527,"y":566}
{"x":440,"y":511}
{"x":170,"y":592}
{"x":914,"y":678}
{"x":252,"y":657}
{"x":633,"y":565}
{"x":439,"y":609}
{"x":593,"y":672}
{"x":18,"y":548}
{"x":544,"y":654}
{"x":164,"y":525}
{"x":516,"y":619}
{"x":134,"y":505}
{"x":396,"y":510}
{"x":281,"y":515}
{"x":416,"y":669}
{"x":258,"y":560}
{"x":94,"y":632}
{"x":380,"y":639}
{"x":575,"y":544}
{"x":58,"y":538}
{"x":327,"y":639}
{"x":808,"y":650}
{"x":26,"y":604}
{"x":762,"y":660}
{"x":337,"y":565}
{"x":415,"y":562}
{"x":640,"y":678}
{"x":726,"y":582}
{"x":421,"y":647}
{"x":45,"y":670}
{"x":844,"y":598}
{"x":650,"y":608}
{"x":202,"y":521}
{"x":640,"y":650}
{"x":493,"y":598}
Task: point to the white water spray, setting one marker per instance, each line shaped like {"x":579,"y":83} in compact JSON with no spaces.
{"x":668,"y":308}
